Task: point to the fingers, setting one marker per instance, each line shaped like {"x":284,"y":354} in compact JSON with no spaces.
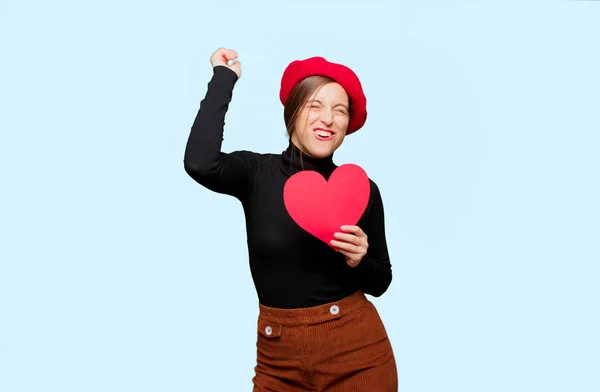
{"x":346,"y":246}
{"x":353,"y":234}
{"x":353,"y":243}
{"x":229,"y":54}
{"x":351,"y":238}
{"x":222,"y":56}
{"x":354,"y":230}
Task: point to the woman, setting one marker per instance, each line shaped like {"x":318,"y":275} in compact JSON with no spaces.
{"x":316,"y":329}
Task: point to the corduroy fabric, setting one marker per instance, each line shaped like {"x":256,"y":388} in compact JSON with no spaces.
{"x":337,"y":347}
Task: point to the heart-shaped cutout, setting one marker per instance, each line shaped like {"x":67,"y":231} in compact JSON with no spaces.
{"x":320,"y":207}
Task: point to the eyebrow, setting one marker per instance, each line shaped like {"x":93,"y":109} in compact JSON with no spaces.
{"x":339,"y":104}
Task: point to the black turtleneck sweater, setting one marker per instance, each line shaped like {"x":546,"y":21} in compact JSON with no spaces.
{"x":290,"y":268}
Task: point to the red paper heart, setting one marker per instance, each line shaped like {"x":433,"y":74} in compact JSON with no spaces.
{"x":320,"y":207}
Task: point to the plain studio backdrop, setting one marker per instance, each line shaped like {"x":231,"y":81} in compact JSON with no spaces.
{"x":119,"y":273}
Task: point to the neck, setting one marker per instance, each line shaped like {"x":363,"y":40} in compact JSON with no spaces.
{"x":295,"y":160}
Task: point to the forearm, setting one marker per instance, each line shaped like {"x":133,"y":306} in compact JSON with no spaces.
{"x":227,"y":173}
{"x":374,"y":273}
{"x":203,"y":150}
{"x":374,"y":276}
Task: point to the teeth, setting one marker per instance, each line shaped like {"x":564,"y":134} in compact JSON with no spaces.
{"x":323,"y":133}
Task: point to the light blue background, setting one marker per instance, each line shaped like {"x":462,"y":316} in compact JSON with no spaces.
{"x":482,"y":135}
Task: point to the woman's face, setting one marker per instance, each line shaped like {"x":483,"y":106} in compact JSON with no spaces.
{"x":322,"y":122}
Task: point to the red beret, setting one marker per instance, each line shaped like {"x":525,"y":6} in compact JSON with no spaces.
{"x":300,"y":69}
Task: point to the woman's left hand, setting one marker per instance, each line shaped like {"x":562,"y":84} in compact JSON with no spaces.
{"x":353,"y":244}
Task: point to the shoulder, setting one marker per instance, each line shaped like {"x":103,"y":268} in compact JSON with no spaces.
{"x":375,"y":195}
{"x":257,"y":156}
{"x":255,"y":160}
{"x":375,"y":204}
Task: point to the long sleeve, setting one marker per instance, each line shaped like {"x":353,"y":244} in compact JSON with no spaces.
{"x":374,"y":273}
{"x":227,"y":173}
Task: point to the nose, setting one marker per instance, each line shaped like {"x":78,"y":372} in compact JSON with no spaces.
{"x":327,"y":116}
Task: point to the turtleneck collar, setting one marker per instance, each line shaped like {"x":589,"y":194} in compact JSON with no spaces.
{"x":294,"y":160}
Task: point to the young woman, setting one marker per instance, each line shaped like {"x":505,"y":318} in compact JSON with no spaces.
{"x":316,"y":329}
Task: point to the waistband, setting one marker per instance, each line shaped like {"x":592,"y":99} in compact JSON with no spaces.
{"x":314,"y":314}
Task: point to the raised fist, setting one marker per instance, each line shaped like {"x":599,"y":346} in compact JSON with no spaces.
{"x":222,"y":57}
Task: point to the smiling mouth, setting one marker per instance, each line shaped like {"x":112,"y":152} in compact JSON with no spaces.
{"x":324,"y":134}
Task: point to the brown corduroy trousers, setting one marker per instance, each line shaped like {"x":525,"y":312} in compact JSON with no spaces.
{"x":337,"y":347}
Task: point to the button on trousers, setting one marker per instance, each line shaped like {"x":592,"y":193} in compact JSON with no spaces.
{"x":337,"y":347}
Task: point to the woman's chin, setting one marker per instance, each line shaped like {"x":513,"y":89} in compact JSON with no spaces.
{"x":321,"y":150}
